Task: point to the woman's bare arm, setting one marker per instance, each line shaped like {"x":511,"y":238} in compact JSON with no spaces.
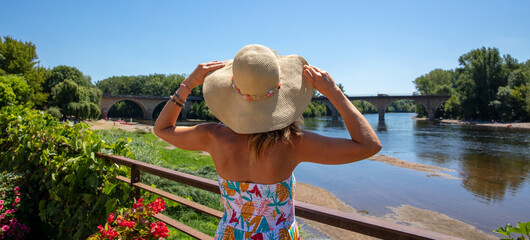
{"x":326,"y":150}
{"x":189,"y":138}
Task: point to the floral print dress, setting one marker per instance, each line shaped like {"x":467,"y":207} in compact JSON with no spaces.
{"x":257,"y":211}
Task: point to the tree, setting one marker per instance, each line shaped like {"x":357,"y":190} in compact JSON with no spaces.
{"x":480,"y":76}
{"x":364,"y":106}
{"x":20,"y":58}
{"x":74,"y":100}
{"x":7,"y":96}
{"x":35,"y":79}
{"x":14,"y":90}
{"x":61,"y":73}
{"x":437,"y":81}
{"x":17,"y":57}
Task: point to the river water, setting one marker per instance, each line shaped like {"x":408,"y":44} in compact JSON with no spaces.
{"x":492,"y":170}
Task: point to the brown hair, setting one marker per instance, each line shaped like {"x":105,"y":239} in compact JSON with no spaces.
{"x":259,"y":142}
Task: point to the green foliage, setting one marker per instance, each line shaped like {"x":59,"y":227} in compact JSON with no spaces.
{"x":437,"y":81}
{"x":72,"y":190}
{"x":480,"y":76}
{"x":55,"y":111}
{"x":364,"y":106}
{"x":485,"y":87}
{"x":316,"y":109}
{"x":16,"y":90}
{"x":154,"y":85}
{"x":148,"y":148}
{"x":35,"y":79}
{"x":402,"y":106}
{"x":521,"y":228}
{"x":17,"y":57}
{"x":61,"y":73}
{"x":74,"y":100}
{"x":200,"y":111}
{"x":20,"y":58}
{"x":7,"y":96}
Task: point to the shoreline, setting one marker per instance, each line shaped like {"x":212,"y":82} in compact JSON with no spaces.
{"x":404,"y":214}
{"x":514,"y":125}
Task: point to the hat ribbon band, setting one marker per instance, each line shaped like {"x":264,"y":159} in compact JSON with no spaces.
{"x":257,"y":96}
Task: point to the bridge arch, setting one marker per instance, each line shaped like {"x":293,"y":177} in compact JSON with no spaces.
{"x":137,"y":109}
{"x":148,"y":104}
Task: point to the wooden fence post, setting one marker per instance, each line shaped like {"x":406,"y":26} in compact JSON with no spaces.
{"x":135,"y":178}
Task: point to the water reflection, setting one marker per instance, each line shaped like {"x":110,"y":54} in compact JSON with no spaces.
{"x":491,"y":162}
{"x":490,"y":178}
{"x":323,"y":123}
{"x":381,"y":126}
{"x":335,"y":124}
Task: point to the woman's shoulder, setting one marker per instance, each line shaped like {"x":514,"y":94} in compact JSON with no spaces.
{"x":217,"y":130}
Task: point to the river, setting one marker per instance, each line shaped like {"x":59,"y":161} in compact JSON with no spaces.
{"x":492,"y":166}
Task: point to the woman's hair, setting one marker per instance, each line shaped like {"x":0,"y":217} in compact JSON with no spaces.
{"x":259,"y":142}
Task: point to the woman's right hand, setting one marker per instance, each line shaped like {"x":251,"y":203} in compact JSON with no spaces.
{"x":321,"y":80}
{"x":196,"y":78}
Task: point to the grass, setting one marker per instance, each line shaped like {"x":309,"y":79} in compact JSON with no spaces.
{"x":148,"y":148}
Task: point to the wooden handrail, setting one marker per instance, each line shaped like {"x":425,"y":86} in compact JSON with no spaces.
{"x":350,"y":221}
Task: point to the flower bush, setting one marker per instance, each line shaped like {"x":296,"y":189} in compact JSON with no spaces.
{"x":134,"y":223}
{"x":10,"y":227}
{"x":70,"y":189}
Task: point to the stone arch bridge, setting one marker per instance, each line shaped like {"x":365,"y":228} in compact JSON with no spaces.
{"x":148,"y":104}
{"x":381,"y":102}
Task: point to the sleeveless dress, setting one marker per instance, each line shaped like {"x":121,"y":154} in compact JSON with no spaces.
{"x":257,"y":211}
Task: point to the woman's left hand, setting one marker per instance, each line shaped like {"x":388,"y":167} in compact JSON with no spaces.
{"x":196,"y":78}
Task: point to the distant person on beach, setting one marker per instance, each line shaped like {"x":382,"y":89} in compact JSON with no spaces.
{"x":259,"y":97}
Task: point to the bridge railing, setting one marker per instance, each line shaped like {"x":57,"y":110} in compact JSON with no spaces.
{"x":349,"y":221}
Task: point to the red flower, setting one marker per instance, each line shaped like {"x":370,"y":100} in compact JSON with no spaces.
{"x":16,"y":189}
{"x":129,"y":224}
{"x":159,"y":229}
{"x":157,"y":206}
{"x":111,"y":218}
{"x":139,"y":204}
{"x":100,"y":228}
{"x":111,"y":234}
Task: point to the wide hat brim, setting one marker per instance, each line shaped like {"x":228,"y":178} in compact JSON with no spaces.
{"x":256,"y":116}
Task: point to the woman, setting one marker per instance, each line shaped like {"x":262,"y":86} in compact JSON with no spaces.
{"x":260,"y":97}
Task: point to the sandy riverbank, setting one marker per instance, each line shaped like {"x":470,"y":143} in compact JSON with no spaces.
{"x":404,"y":214}
{"x":518,"y":125}
{"x":523,"y":125}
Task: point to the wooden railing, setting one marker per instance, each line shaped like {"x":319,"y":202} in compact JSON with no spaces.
{"x":349,"y":221}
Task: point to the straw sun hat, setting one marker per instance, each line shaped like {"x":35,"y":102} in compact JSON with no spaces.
{"x":258,"y":91}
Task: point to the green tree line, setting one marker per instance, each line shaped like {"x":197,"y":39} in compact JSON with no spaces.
{"x":62,"y":91}
{"x":165,"y":85}
{"x":486,"y":86}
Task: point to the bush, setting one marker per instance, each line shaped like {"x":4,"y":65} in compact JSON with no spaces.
{"x":72,"y":190}
{"x":11,"y":225}
{"x":55,"y":111}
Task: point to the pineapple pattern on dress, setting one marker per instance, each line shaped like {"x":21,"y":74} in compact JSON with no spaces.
{"x":257,"y":211}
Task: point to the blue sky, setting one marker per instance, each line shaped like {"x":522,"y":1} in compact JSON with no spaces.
{"x":370,"y":46}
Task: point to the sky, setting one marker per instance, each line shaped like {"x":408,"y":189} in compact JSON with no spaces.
{"x":370,"y":47}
